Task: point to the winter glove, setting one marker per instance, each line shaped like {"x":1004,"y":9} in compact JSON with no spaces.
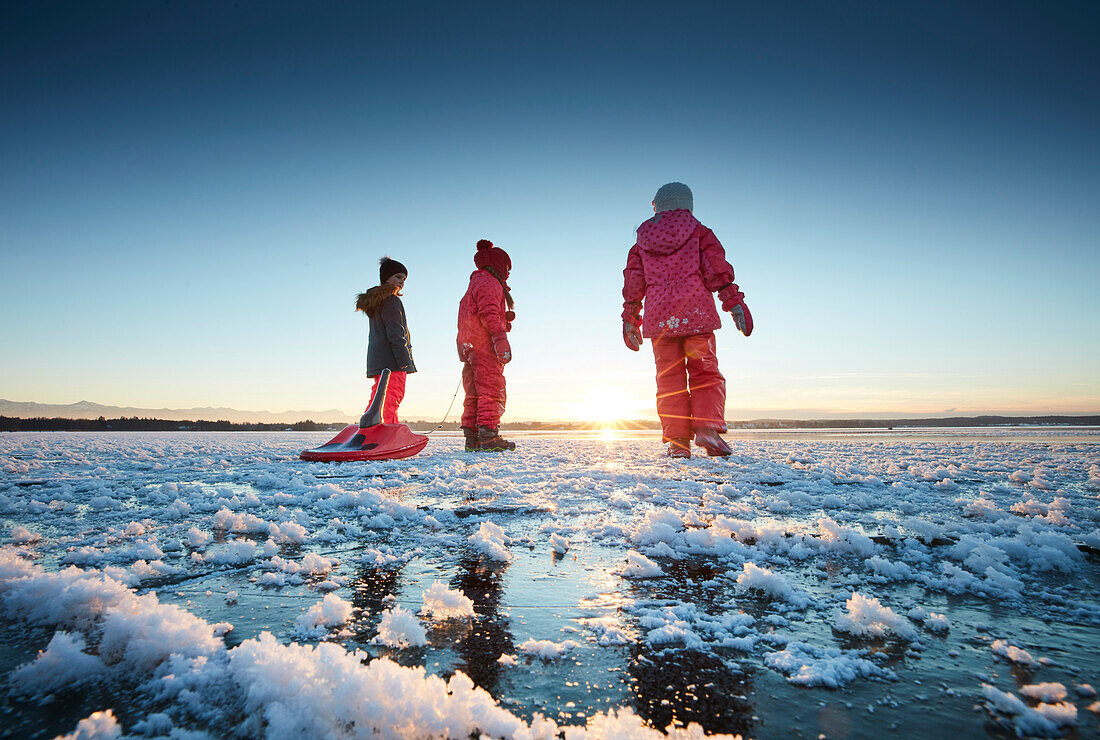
{"x":502,"y":349}
{"x":465,"y":349}
{"x":631,"y":336}
{"x":733,"y":300}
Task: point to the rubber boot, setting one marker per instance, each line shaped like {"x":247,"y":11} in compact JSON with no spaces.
{"x":679,"y":447}
{"x":471,"y":438}
{"x":489,"y":440}
{"x":711,"y":441}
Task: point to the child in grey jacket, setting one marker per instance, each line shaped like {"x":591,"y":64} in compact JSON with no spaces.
{"x":389,"y":345}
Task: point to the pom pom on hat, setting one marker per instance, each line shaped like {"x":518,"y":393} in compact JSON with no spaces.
{"x":673,"y":196}
{"x":489,"y":256}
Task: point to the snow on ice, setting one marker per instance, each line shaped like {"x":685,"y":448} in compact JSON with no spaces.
{"x":242,"y":592}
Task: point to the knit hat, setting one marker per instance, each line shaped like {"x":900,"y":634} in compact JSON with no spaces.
{"x":387,"y":268}
{"x":673,"y":196}
{"x":489,"y":256}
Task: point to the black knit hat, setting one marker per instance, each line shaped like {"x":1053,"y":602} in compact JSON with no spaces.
{"x":387,"y":268}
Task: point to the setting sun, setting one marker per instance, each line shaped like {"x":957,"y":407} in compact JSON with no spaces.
{"x":607,"y":405}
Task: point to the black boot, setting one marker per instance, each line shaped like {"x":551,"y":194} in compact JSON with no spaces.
{"x":489,"y":440}
{"x":679,"y":447}
{"x":471,"y":438}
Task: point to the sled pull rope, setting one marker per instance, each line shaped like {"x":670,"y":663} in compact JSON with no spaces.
{"x":444,"y":419}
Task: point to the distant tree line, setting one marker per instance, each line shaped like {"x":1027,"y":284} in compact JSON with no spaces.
{"x":950,"y":421}
{"x":137,"y":424}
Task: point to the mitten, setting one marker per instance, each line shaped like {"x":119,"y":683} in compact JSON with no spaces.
{"x":465,"y":349}
{"x":502,"y":349}
{"x":738,"y":314}
{"x":631,"y":336}
{"x":733,"y":300}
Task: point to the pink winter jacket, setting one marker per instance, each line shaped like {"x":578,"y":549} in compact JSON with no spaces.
{"x":675,"y":266}
{"x":482,"y":312}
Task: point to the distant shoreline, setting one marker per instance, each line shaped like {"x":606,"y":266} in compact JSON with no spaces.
{"x":136,"y":424}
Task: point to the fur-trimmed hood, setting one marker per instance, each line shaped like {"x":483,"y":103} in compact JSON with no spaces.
{"x":371,"y":301}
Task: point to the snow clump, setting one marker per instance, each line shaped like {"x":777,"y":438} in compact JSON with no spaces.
{"x":97,"y":726}
{"x":491,"y":541}
{"x":775,"y":585}
{"x":23,"y":536}
{"x":1047,"y":692}
{"x":808,"y":665}
{"x":61,"y":664}
{"x":936,"y":623}
{"x":1010,"y":652}
{"x":400,"y":628}
{"x":547,"y":649}
{"x":639,"y":566}
{"x":331,"y":611}
{"x":1045,"y":720}
{"x":867,"y":617}
{"x":441,"y":602}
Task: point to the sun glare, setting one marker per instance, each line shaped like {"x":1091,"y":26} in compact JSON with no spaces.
{"x":606,"y":406}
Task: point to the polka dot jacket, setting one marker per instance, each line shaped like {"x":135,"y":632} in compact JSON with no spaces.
{"x":674,"y":267}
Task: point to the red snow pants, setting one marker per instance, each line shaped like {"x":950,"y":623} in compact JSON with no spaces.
{"x":691,"y":393}
{"x":395,"y":391}
{"x":483,"y":381}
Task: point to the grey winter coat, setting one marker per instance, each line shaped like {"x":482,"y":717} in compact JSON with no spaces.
{"x":389,"y":345}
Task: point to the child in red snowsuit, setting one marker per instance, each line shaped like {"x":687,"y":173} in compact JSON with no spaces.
{"x":484,"y":320}
{"x":674,"y":267}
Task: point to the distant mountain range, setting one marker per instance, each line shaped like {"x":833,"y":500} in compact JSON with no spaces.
{"x":89,"y":410}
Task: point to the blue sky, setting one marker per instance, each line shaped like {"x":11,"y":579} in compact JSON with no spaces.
{"x":192,"y":194}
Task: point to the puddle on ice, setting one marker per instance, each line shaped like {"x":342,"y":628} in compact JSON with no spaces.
{"x":845,"y":585}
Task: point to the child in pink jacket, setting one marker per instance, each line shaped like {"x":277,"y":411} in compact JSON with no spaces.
{"x":484,"y":319}
{"x":674,"y":267}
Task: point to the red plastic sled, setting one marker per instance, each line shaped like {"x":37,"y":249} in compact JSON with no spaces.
{"x":370,"y":439}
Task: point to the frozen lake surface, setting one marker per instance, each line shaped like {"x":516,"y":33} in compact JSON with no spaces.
{"x":847,"y":584}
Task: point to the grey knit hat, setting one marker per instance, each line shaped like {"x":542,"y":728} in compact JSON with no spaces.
{"x":672,"y":196}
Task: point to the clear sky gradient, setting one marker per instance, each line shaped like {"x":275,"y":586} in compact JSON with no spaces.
{"x":192,"y":193}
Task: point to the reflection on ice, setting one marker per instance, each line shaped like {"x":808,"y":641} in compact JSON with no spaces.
{"x":806,"y":585}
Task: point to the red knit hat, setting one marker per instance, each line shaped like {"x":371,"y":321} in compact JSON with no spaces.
{"x":489,"y":256}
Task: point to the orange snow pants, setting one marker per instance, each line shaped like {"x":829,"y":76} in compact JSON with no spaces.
{"x":395,"y":391}
{"x":691,"y":392}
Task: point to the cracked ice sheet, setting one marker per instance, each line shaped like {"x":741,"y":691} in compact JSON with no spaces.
{"x":758,"y":556}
